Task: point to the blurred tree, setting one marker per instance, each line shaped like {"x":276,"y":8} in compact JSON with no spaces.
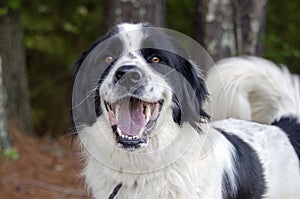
{"x":230,"y":28}
{"x":5,"y":139}
{"x":14,"y":66}
{"x":199,"y":21}
{"x":180,"y":15}
{"x":117,"y":11}
{"x":55,"y":36}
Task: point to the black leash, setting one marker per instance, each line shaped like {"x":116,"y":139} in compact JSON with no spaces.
{"x":115,"y":191}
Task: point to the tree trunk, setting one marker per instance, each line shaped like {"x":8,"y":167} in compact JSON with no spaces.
{"x":232,"y":27}
{"x":14,"y":69}
{"x":262,"y":31}
{"x":199,"y":22}
{"x":150,"y":11}
{"x":5,"y":139}
{"x":250,"y":13}
{"x":219,"y":36}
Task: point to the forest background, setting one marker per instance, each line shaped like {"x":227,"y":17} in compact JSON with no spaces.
{"x":56,"y":32}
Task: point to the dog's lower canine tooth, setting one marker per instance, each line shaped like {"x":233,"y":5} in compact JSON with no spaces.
{"x":119,"y":131}
{"x":140,"y":133}
{"x":148,"y":112}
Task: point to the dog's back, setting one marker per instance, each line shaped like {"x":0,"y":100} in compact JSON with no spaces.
{"x":254,"y":89}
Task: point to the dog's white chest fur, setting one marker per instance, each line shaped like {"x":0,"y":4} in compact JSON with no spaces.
{"x":196,"y":173}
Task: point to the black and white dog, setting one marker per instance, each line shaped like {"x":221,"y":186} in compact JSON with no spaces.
{"x":138,"y":109}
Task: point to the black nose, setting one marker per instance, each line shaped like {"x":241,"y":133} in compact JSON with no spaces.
{"x":128,"y":75}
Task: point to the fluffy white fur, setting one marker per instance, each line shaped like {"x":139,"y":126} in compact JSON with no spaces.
{"x":181,"y":162}
{"x":252,"y":88}
{"x":195,"y":170}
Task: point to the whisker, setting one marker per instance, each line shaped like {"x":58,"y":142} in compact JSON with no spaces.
{"x":169,"y":72}
{"x":89,"y":93}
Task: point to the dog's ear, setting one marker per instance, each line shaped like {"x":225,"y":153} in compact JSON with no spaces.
{"x":73,"y":101}
{"x":192,"y":93}
{"x":188,"y":87}
{"x":85,"y":106}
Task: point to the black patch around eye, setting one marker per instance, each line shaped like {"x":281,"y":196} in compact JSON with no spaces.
{"x":149,"y":53}
{"x":84,"y":55}
{"x":189,"y":88}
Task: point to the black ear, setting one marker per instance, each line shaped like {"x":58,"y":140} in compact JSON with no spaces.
{"x":85,"y":113}
{"x":188,"y":87}
{"x":191,"y":93}
{"x":79,"y":62}
{"x":76,"y":68}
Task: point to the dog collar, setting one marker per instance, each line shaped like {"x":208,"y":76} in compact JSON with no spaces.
{"x":115,"y":191}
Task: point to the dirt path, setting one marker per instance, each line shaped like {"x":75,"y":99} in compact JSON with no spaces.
{"x":46,"y":169}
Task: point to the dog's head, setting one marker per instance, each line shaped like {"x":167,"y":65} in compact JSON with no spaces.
{"x":133,"y":80}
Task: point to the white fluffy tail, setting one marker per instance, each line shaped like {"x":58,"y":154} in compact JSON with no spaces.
{"x":252,"y":88}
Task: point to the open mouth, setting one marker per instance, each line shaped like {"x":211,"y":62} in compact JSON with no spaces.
{"x":132,"y":119}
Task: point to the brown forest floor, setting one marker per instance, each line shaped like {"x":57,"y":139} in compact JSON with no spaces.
{"x":47,"y":168}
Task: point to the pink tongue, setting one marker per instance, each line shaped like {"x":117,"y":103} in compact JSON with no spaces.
{"x":131,"y":119}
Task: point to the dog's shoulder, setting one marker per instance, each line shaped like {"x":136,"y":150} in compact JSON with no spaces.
{"x":261,"y":151}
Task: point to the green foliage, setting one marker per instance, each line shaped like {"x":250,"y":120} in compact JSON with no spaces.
{"x":282,"y":39}
{"x":3,"y":11}
{"x":56,"y":33}
{"x":180,"y":15}
{"x":8,"y":5}
{"x":11,"y":153}
{"x":14,"y":4}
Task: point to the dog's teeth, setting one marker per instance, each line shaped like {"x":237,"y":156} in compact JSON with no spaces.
{"x":147,"y":119}
{"x":126,"y":136}
{"x":119,"y":131}
{"x":135,"y":137}
{"x":123,"y":136}
{"x":129,"y":138}
{"x":148,"y":112}
{"x":140,"y":133}
{"x":148,"y":109}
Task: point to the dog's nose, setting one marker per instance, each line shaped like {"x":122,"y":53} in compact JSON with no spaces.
{"x":128,"y":75}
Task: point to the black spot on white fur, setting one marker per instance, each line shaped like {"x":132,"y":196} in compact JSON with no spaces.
{"x":249,"y":177}
{"x":291,"y":126}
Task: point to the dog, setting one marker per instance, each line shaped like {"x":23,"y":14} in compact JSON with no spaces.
{"x":139,"y":109}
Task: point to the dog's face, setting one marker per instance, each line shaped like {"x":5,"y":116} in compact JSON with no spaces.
{"x":135,"y":79}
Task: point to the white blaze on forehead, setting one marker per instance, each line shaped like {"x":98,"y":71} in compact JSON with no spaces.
{"x":131,"y":35}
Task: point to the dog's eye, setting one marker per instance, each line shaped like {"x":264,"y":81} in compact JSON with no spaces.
{"x":155,"y":59}
{"x":109,"y":59}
